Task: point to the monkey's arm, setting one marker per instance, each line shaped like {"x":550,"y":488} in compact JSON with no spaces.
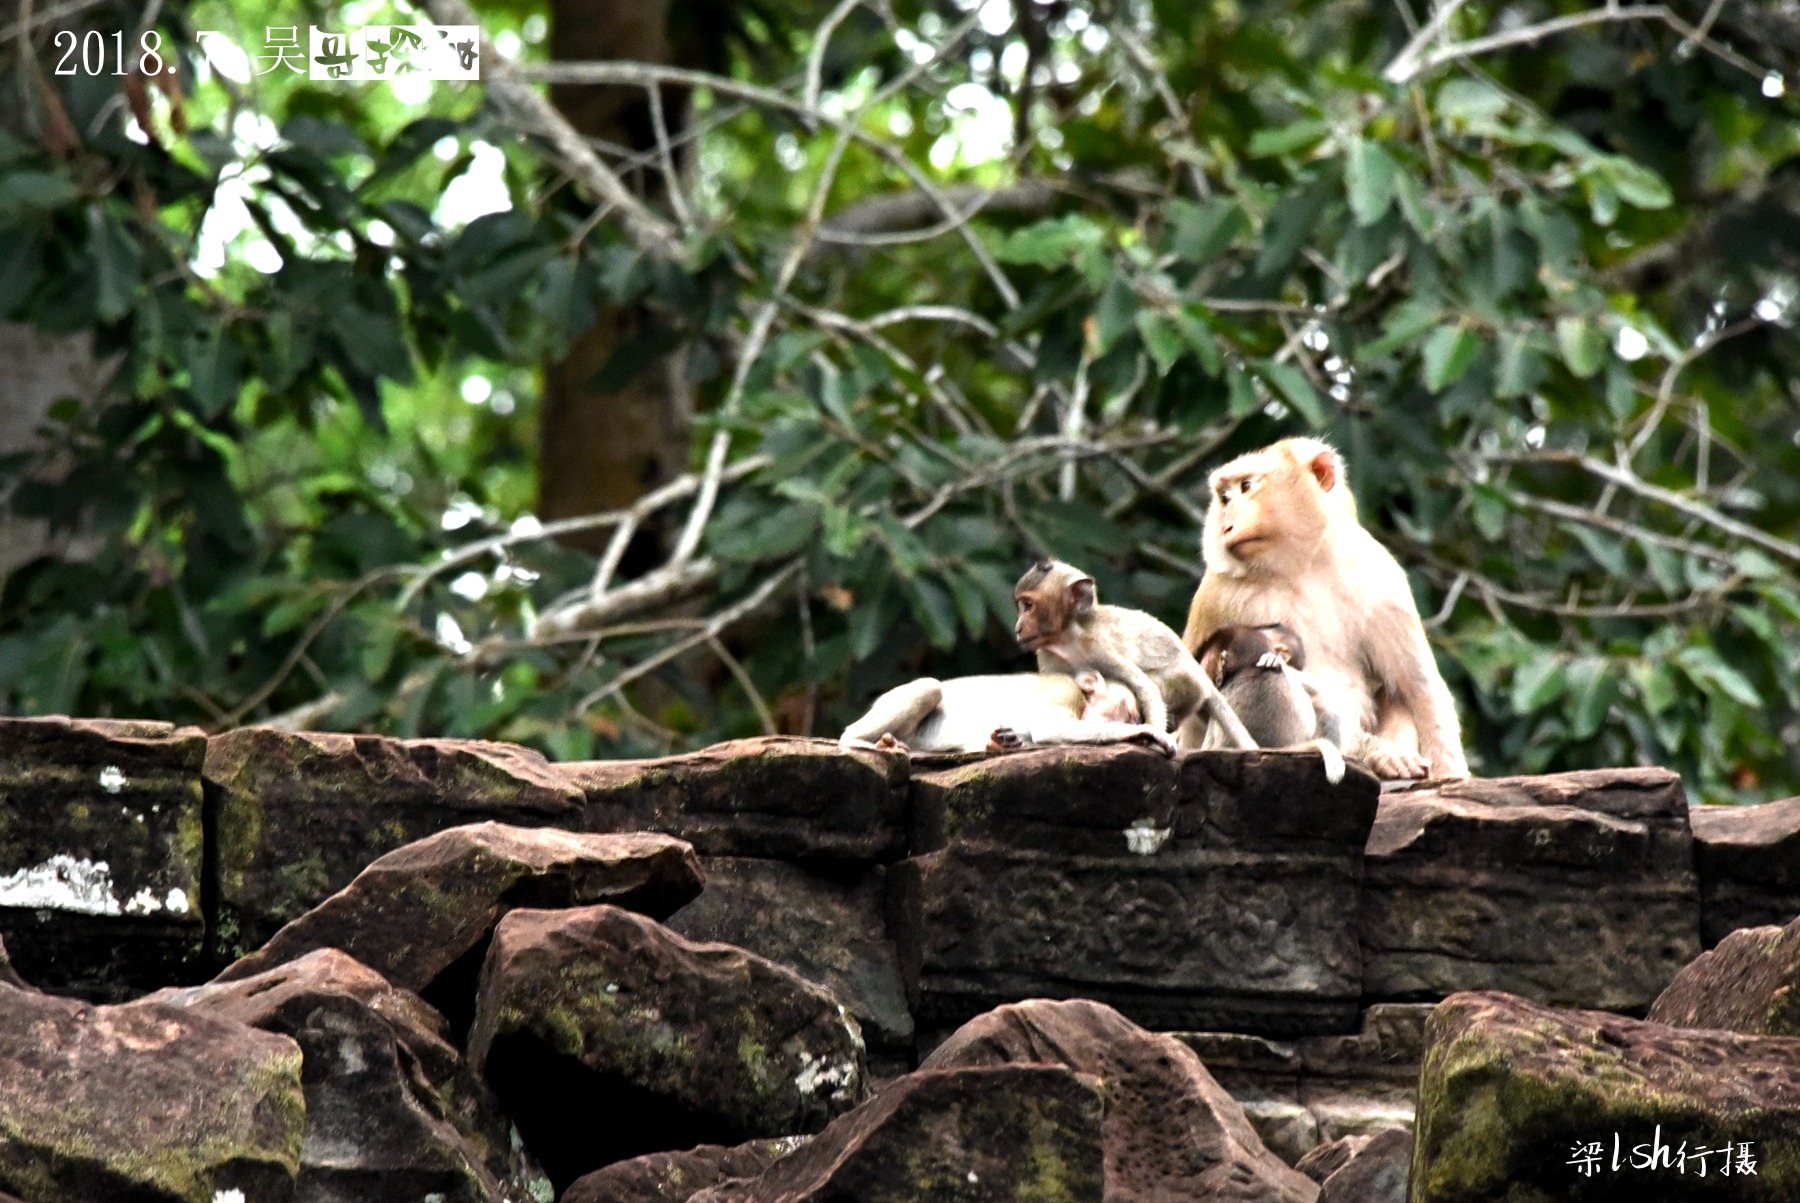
{"x":1076,"y":731}
{"x":1407,"y":669}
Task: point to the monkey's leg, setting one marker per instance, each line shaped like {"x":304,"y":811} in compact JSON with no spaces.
{"x":898,"y":713}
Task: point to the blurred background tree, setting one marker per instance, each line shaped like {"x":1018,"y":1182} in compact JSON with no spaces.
{"x":735,"y":375}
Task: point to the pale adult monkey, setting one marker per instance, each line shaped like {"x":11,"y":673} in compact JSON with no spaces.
{"x":1062,"y":620}
{"x":1282,"y":544}
{"x":1000,"y":713}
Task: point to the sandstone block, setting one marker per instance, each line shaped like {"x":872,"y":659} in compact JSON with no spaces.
{"x":1748,"y":859}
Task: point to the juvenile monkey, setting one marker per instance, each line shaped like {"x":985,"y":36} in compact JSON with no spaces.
{"x":1282,"y":544}
{"x":1062,"y":620}
{"x":1000,"y":713}
{"x":1260,"y":672}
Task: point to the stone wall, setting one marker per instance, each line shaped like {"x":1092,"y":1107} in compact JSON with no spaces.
{"x":1228,"y":891}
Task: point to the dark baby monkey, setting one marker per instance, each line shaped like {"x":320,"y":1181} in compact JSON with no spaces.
{"x":1260,"y":671}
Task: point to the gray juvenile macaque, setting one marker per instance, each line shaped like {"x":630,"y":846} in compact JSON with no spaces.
{"x":1001,"y":713}
{"x":1062,"y":620}
{"x":1260,"y":672}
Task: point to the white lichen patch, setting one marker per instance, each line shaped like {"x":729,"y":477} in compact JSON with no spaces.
{"x":144,"y":902}
{"x":817,"y":1073}
{"x":112,"y":779}
{"x":1145,"y":838}
{"x":62,"y":883}
{"x":177,"y":901}
{"x":234,"y":1195}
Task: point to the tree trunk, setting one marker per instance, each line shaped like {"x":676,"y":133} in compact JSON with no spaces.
{"x":601,"y":451}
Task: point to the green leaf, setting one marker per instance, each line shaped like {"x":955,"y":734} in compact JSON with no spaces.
{"x":1521,"y":368}
{"x":1582,"y":344}
{"x":23,"y":192}
{"x":1488,"y":506}
{"x":1621,"y":394}
{"x":1665,"y":567}
{"x":1162,"y":338}
{"x":1244,"y":400}
{"x":1607,"y":550}
{"x":1655,"y":682}
{"x":1295,"y":389}
{"x":1594,"y":686}
{"x":1603,"y":196}
{"x":971,"y":601}
{"x":1198,"y":333}
{"x":1707,"y":669}
{"x":1448,"y":353}
{"x":1465,"y":101}
{"x":931,"y":605}
{"x":1370,"y":175}
{"x":1051,"y":243}
{"x":1405,"y":325}
{"x":1637,"y":184}
{"x":1538,"y":682}
{"x":1755,"y":564}
{"x":904,"y":547}
{"x":1114,"y":314}
{"x":1288,"y":138}
{"x":1204,"y":231}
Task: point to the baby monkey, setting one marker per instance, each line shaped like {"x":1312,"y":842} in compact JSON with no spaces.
{"x":1259,"y":670}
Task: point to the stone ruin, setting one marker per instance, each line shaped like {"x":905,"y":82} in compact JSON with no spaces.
{"x":268,"y":965}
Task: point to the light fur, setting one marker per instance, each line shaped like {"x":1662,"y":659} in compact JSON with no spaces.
{"x":1282,"y":544}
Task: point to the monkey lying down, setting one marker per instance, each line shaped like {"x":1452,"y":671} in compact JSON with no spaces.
{"x":1259,"y":670}
{"x":1000,"y":713}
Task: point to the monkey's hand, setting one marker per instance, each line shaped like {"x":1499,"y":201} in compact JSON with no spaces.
{"x":1005,"y":739}
{"x":1274,"y":659}
{"x":1156,"y":741}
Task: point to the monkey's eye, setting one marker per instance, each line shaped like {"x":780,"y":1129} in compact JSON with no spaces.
{"x":1245,"y":485}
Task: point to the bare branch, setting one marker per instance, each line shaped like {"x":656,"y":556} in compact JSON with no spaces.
{"x":522,"y":107}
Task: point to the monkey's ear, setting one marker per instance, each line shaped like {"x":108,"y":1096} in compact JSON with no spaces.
{"x":1088,"y":681}
{"x":1081,"y":594}
{"x":1212,"y":661}
{"x":1324,"y":466}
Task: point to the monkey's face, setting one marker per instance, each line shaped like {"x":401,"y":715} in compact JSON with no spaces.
{"x":1048,"y":596}
{"x":1039,"y":620}
{"x":1262,"y":503}
{"x":1106,"y":701}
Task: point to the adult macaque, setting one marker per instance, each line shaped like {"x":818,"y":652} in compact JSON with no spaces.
{"x":1062,"y":620}
{"x":1282,"y":544}
{"x":1000,"y":713}
{"x":1260,"y":670}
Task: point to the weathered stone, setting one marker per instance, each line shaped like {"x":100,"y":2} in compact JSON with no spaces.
{"x":143,"y":1103}
{"x":1171,"y":1132}
{"x":100,"y":853}
{"x":1513,"y":1092}
{"x":1750,"y":983}
{"x":827,"y":923}
{"x":1325,"y":1160}
{"x":424,"y":912}
{"x":1306,"y":1093}
{"x":777,"y":796}
{"x":298,"y":814}
{"x":1573,"y":888}
{"x":1220,"y":893}
{"x":393,"y":1115}
{"x":1007,"y":1134}
{"x":1748,"y":859}
{"x":1378,"y":1172}
{"x":675,"y":1177}
{"x":607,"y":1036}
{"x":8,"y":975}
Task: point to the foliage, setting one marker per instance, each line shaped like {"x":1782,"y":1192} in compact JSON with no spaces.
{"x":1538,"y":291}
